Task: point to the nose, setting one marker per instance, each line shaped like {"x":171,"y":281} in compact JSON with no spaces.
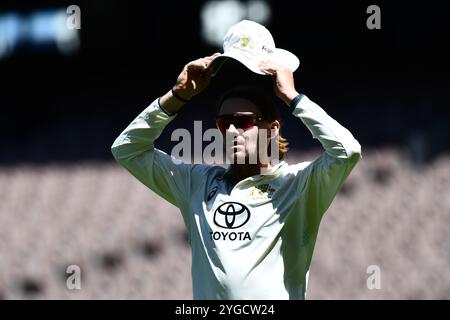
{"x":232,"y":133}
{"x":232,"y":129}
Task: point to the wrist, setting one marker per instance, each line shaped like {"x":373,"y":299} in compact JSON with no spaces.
{"x":295,"y":102}
{"x":289,"y":96}
{"x":181,"y":94}
{"x":170,"y":103}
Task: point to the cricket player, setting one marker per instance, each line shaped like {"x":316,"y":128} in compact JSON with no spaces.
{"x":252,"y":226}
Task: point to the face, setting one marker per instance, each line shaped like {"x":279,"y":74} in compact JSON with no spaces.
{"x":242,"y":132}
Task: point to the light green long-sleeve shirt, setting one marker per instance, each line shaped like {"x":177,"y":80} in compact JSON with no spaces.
{"x":257,"y":241}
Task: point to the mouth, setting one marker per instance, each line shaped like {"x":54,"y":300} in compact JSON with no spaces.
{"x":237,"y":148}
{"x":239,"y":140}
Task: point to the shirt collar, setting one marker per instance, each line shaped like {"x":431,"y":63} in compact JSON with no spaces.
{"x":272,"y":171}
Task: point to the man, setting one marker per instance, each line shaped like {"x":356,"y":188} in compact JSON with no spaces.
{"x":252,"y":227}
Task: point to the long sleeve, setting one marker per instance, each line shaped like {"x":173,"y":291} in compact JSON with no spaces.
{"x":322,"y":178}
{"x":134,"y":149}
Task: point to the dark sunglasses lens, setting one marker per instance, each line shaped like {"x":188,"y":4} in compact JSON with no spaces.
{"x":222,"y":123}
{"x":243,"y":122}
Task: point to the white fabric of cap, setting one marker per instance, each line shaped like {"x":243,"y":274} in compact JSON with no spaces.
{"x":249,"y":43}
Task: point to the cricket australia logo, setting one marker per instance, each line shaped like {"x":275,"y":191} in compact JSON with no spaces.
{"x":231,"y":215}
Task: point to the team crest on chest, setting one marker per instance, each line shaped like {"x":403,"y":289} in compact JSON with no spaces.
{"x":262,"y":191}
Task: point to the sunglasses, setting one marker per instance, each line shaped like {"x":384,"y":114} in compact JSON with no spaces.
{"x":241,"y":120}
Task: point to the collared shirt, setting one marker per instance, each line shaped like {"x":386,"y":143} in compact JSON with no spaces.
{"x":257,"y":240}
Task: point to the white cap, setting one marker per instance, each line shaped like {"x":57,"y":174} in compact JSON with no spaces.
{"x":249,"y":43}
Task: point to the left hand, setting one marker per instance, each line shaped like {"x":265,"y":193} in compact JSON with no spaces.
{"x":284,"y":85}
{"x":195,"y":77}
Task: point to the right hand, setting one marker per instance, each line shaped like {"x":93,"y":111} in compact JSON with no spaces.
{"x":194,"y":78}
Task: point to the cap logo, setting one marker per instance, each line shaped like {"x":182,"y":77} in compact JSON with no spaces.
{"x":245,"y":42}
{"x":267,"y":49}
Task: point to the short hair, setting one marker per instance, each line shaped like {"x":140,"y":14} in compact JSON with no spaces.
{"x":266,"y":106}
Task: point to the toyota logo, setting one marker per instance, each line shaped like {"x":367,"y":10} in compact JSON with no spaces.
{"x":231,"y":215}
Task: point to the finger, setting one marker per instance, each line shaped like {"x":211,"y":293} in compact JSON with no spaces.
{"x":268,"y":70}
{"x":270,"y":65}
{"x":211,"y":58}
{"x":195,"y":66}
{"x":274,"y":67}
{"x":205,"y":62}
{"x":198,"y":64}
{"x":208,"y":73}
{"x":267,"y":63}
{"x":195,"y":69}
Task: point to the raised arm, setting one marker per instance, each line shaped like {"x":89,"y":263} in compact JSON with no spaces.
{"x":134,"y":147}
{"x":194,"y":78}
{"x":321,"y":179}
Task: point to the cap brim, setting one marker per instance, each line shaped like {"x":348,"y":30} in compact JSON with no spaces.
{"x":286,"y":58}
{"x":217,"y":63}
{"x":280,"y":55}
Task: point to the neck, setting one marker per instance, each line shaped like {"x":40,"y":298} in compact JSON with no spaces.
{"x":243,"y":171}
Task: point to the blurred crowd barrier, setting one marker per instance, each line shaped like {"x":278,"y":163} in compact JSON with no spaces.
{"x":130,"y":244}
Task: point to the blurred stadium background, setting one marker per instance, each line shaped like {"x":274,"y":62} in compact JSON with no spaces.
{"x":66,"y":94}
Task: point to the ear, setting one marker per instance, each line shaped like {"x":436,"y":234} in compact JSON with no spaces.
{"x":275,"y":127}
